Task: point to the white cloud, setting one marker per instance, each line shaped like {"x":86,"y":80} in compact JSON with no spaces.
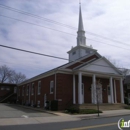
{"x":106,"y":18}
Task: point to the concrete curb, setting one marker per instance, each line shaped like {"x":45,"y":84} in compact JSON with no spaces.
{"x":102,"y":116}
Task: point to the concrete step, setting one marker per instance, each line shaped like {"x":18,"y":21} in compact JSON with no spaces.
{"x":117,"y":106}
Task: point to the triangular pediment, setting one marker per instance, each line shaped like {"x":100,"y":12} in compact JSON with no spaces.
{"x":101,"y":65}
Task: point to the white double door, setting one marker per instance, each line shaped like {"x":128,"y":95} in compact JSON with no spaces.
{"x":109,"y":94}
{"x":96,"y":94}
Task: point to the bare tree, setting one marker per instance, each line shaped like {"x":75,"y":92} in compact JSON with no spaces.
{"x":5,"y":73}
{"x":17,"y":78}
{"x":114,"y":62}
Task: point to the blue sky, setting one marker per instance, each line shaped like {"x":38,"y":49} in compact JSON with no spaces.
{"x":107,"y":18}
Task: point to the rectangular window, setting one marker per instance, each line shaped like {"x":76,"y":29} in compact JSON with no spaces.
{"x":27,"y":90}
{"x":39,"y":88}
{"x":23,"y":91}
{"x":74,"y":52}
{"x":38,"y":103}
{"x":19,"y":91}
{"x":32,"y":89}
{"x":128,"y":86}
{"x":51,"y":87}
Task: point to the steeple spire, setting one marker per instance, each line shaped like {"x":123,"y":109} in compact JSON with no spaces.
{"x":80,"y":27}
{"x":81,"y":39}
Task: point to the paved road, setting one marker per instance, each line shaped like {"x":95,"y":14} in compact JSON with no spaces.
{"x":93,"y":124}
{"x":14,"y":111}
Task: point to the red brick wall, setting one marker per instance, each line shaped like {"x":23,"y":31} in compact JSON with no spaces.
{"x":6,"y":92}
{"x":64,"y":90}
{"x":45,"y":89}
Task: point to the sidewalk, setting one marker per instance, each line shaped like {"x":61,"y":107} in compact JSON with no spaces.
{"x":60,"y":118}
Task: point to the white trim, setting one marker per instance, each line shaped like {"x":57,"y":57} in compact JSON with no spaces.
{"x":111,"y":89}
{"x":115,"y":91}
{"x":79,"y":88}
{"x":32,"y":89}
{"x":102,"y":58}
{"x":39,"y":88}
{"x":121,"y":90}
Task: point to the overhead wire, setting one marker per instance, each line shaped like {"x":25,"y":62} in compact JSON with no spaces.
{"x":18,"y":49}
{"x":62,"y":32}
{"x":58,"y":23}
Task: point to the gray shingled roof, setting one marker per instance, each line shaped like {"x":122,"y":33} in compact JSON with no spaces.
{"x":127,"y":79}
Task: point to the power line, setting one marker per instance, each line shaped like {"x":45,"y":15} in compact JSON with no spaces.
{"x":48,"y":55}
{"x":37,"y":25}
{"x":58,"y":23}
{"x":36,"y":16}
{"x":61,"y":31}
{"x":33,"y":52}
{"x":108,"y":44}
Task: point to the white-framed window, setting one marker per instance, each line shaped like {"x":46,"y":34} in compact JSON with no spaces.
{"x":19,"y":91}
{"x":51,"y":87}
{"x":39,"y":88}
{"x":38,"y":103}
{"x":32,"y":90}
{"x":73,"y":53}
{"x":128,"y":86}
{"x":23,"y":91}
{"x":27,"y":90}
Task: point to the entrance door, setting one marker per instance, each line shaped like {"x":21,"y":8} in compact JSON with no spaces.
{"x":109,"y":94}
{"x":82,"y":92}
{"x":99,"y":93}
{"x":96,"y":93}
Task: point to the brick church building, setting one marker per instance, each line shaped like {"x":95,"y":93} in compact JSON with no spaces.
{"x":86,"y":75}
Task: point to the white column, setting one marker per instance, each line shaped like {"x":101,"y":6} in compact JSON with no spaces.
{"x":121,"y":90}
{"x":79,"y":88}
{"x":115,"y":91}
{"x":94,"y":90}
{"x":74,"y":101}
{"x":111,"y":89}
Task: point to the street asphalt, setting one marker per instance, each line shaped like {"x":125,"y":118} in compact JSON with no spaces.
{"x":14,"y":117}
{"x":93,"y":124}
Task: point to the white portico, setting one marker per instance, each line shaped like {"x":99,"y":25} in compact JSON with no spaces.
{"x":111,"y":96}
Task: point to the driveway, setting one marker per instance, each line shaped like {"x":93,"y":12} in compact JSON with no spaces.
{"x":14,"y":111}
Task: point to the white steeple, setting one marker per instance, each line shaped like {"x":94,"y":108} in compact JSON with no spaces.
{"x":81,"y":49}
{"x":81,"y":39}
